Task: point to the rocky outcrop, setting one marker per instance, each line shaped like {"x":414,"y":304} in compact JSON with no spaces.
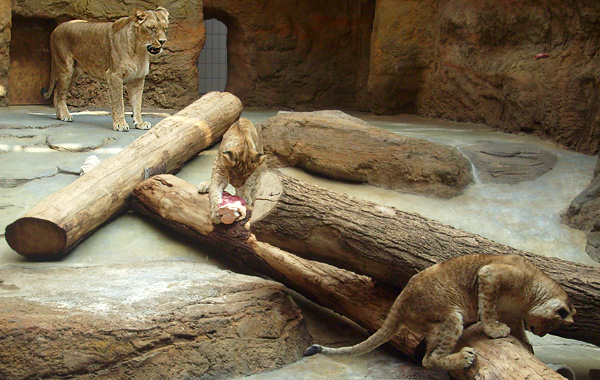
{"x":175,"y":320}
{"x":337,"y":145}
{"x":508,"y":163}
{"x":584,"y":214}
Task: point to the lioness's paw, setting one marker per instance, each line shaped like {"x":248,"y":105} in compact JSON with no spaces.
{"x":121,"y":127}
{"x":143,"y":125}
{"x":496,"y":330}
{"x":67,"y":117}
{"x":469,"y":355}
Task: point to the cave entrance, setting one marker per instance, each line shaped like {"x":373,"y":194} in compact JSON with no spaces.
{"x":212,"y":62}
{"x":30,"y":62}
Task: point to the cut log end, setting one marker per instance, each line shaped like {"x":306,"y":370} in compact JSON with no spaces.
{"x":36,"y":238}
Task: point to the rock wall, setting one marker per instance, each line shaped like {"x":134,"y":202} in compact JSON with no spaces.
{"x":528,"y":66}
{"x":475,"y":60}
{"x":5,"y":24}
{"x":296,"y":54}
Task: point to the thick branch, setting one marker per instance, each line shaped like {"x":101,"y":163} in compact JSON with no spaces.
{"x":176,"y":203}
{"x":63,"y":219}
{"x":391,"y":245}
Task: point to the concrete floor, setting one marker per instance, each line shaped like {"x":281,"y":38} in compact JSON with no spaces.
{"x":39,"y":155}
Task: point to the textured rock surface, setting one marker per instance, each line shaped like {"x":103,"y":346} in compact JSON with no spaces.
{"x":584,"y":214}
{"x":340,"y":146}
{"x":508,"y":163}
{"x":5,"y":17}
{"x":295,"y":53}
{"x":475,"y":61}
{"x":130,"y":320}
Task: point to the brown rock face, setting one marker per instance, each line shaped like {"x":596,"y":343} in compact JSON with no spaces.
{"x":158,"y":320}
{"x":479,"y":61}
{"x":297,"y":54}
{"x":340,"y":146}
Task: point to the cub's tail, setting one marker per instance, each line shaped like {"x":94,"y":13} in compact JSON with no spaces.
{"x":381,"y":336}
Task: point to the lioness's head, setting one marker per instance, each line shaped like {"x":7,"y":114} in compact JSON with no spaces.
{"x":152,"y":27}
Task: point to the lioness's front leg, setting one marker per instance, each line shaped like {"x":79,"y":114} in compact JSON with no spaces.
{"x":115,"y":90}
{"x":136,"y":90}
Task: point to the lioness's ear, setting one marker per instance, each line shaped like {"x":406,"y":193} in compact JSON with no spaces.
{"x":139,"y":15}
{"x":163,"y":11}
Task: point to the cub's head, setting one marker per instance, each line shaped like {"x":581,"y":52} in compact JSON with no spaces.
{"x":241,"y":151}
{"x":152,"y":28}
{"x":550,"y":314}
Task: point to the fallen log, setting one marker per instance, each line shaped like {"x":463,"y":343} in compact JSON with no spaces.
{"x":55,"y":225}
{"x":176,"y":204}
{"x":391,"y":245}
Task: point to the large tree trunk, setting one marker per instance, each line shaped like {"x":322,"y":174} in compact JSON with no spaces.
{"x":176,"y":203}
{"x":59,"y":222}
{"x":391,"y":245}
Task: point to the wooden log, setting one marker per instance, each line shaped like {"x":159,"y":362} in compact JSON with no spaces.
{"x":55,"y":225}
{"x":176,"y":204}
{"x":391,"y":245}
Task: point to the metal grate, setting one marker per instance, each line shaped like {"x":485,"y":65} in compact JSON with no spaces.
{"x":212,"y":63}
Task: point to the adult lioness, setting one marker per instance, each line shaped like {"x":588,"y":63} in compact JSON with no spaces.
{"x":113,"y":52}
{"x":507,"y":293}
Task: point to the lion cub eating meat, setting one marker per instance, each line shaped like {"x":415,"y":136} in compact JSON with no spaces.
{"x":507,"y":293}
{"x":238,"y":160}
{"x":113,"y":52}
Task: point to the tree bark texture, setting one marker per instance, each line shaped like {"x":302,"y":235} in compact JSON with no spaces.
{"x":55,"y":225}
{"x":391,"y":245}
{"x":176,"y":204}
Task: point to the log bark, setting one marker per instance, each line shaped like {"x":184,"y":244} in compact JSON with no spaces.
{"x":391,"y":245}
{"x":55,"y":225}
{"x":176,"y":204}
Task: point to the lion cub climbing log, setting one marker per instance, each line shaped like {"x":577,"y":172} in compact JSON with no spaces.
{"x":507,"y":293}
{"x":238,"y":162}
{"x":115,"y":53}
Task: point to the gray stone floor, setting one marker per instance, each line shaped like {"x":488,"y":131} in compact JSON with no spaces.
{"x":40,"y":155}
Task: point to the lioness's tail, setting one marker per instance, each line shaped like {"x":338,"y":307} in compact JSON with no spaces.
{"x":47,"y":92}
{"x":381,"y":336}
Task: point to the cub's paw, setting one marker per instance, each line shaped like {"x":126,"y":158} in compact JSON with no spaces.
{"x":121,"y":127}
{"x":215,"y":218}
{"x":496,"y":330}
{"x":143,"y":125}
{"x":203,"y":187}
{"x":469,"y":354}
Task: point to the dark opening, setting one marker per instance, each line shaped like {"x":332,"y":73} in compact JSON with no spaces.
{"x":212,"y":62}
{"x":29,"y":69}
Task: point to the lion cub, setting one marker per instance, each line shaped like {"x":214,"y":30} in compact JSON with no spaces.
{"x":238,"y":161}
{"x":507,"y":293}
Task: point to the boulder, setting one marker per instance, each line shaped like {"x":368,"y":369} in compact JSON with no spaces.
{"x":584,"y":214}
{"x":164,"y":319}
{"x":508,"y":163}
{"x":337,"y":145}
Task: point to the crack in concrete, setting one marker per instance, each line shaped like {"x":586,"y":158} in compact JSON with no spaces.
{"x":78,"y":149}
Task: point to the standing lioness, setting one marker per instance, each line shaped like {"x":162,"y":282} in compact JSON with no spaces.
{"x":113,"y":52}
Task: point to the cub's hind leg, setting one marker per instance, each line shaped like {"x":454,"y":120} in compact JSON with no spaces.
{"x":441,"y":341}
